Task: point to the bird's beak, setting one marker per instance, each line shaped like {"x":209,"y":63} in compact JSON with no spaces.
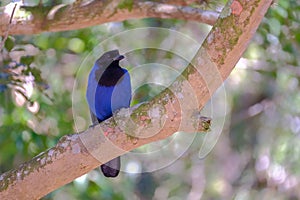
{"x":119,"y":57}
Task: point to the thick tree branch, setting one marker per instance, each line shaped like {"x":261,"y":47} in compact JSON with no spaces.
{"x":76,"y":16}
{"x":169,"y":112}
{"x":180,"y":2}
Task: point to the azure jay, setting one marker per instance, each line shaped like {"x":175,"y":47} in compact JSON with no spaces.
{"x":108,"y":90}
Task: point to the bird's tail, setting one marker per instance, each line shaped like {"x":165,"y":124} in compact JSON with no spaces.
{"x":111,"y":168}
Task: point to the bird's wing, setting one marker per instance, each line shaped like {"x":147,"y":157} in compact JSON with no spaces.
{"x":110,"y":98}
{"x":121,"y":95}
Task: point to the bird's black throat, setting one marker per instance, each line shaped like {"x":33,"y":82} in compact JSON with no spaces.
{"x":111,"y":74}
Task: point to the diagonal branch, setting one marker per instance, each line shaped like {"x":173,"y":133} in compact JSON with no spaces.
{"x":75,"y":16}
{"x":169,"y":112}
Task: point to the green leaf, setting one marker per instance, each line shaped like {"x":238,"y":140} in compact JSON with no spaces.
{"x":60,"y":43}
{"x":275,"y":26}
{"x":9,"y":43}
{"x":76,"y":45}
{"x":285,"y":4}
{"x":27,"y":60}
{"x":282,"y":12}
{"x":37,"y":74}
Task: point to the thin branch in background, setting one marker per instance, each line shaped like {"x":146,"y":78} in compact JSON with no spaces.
{"x":8,"y":28}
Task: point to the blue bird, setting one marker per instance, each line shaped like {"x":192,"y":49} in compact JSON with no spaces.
{"x":108,"y":90}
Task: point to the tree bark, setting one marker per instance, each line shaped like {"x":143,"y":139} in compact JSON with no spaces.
{"x":75,"y":16}
{"x":77,"y":154}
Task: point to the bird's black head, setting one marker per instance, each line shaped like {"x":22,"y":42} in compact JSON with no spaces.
{"x":109,"y":72}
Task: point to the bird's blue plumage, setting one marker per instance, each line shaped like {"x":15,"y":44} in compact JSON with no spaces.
{"x":108,"y":90}
{"x":111,"y":98}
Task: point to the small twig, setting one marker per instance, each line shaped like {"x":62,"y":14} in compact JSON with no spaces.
{"x":8,"y":28}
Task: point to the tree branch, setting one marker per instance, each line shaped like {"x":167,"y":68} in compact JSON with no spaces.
{"x":169,"y":112}
{"x":75,"y":16}
{"x":8,"y":28}
{"x":180,"y":2}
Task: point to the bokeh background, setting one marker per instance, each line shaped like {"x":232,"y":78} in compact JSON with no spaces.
{"x":256,"y":156}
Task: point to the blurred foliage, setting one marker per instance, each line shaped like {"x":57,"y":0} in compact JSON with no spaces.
{"x":42,"y":89}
